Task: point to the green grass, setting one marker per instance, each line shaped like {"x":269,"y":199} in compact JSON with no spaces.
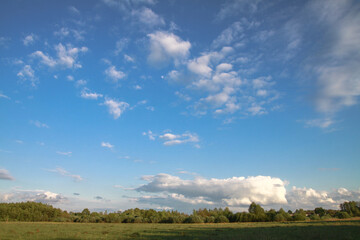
{"x":293,"y":230}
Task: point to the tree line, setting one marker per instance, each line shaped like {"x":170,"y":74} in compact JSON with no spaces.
{"x":38,"y":212}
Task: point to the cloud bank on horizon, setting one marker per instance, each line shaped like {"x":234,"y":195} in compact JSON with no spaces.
{"x":122,"y":92}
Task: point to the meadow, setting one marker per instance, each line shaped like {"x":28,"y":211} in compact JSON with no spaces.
{"x":335,"y":229}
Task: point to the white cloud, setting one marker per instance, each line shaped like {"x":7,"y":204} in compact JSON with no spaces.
{"x":234,"y":192}
{"x":5,"y":175}
{"x":128,"y":58}
{"x":339,"y":87}
{"x":309,"y":198}
{"x":65,"y":32}
{"x":115,"y":107}
{"x":28,"y":74}
{"x":200,"y":65}
{"x":121,"y":45}
{"x":229,"y":35}
{"x":237,"y":193}
{"x":114,"y":74}
{"x":262,"y":93}
{"x":234,"y":7}
{"x":137,"y":87}
{"x":183,"y":96}
{"x":262,"y":82}
{"x":70,"y":78}
{"x":256,"y":109}
{"x":224,"y":67}
{"x":170,"y":139}
{"x":85,"y":93}
{"x":42,"y":196}
{"x":74,"y":10}
{"x":45,"y":59}
{"x":80,"y":83}
{"x":4,"y":96}
{"x":66,"y":56}
{"x":336,"y":71}
{"x":64,"y":153}
{"x":65,"y":173}
{"x":165,"y":46}
{"x":107,"y":145}
{"x":320,"y":122}
{"x":147,"y":17}
{"x":30,"y":39}
{"x":39,"y":124}
{"x":4,"y":41}
{"x":150,"y":134}
{"x":127,"y":6}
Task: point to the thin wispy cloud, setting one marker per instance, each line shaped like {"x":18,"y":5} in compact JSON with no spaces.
{"x":39,"y":124}
{"x":68,"y":154}
{"x":65,"y":173}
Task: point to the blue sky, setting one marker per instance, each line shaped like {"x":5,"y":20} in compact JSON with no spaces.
{"x":179,"y":105}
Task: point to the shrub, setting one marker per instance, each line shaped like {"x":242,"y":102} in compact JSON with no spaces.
{"x":210,"y":219}
{"x":221,"y":219}
{"x":342,"y":215}
{"x":194,"y":219}
{"x":314,"y":217}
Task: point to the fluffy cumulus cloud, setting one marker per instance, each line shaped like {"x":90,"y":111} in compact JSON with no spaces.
{"x":114,"y":74}
{"x":222,"y":88}
{"x":170,"y":139}
{"x":42,"y":196}
{"x":233,"y":192}
{"x":5,"y":175}
{"x":165,"y":46}
{"x":66,"y":56}
{"x":116,"y":108}
{"x":164,"y":190}
{"x":309,"y":198}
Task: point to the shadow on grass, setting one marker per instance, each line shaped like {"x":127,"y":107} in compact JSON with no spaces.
{"x":298,"y":232}
{"x":233,"y":232}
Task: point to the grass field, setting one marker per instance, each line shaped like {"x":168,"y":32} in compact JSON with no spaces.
{"x":294,"y":230}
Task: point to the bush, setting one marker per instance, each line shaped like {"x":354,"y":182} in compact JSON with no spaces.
{"x":221,"y":219}
{"x":279,"y":218}
{"x":342,"y":215}
{"x":194,"y":219}
{"x":210,"y":219}
{"x":325,"y":217}
{"x":314,"y":217}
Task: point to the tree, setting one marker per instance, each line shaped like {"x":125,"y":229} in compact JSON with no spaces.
{"x":320,"y":211}
{"x":257,"y":212}
{"x":352,"y":208}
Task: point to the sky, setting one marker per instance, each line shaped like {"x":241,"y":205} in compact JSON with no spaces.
{"x":180,"y":104}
